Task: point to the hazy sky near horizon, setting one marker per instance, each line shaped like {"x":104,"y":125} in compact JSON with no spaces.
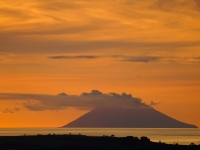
{"x":149,"y":48}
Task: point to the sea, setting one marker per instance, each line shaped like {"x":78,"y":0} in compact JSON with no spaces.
{"x":167,"y":135}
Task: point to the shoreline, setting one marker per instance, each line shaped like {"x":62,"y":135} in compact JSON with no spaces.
{"x":78,"y":141}
{"x":169,"y":136}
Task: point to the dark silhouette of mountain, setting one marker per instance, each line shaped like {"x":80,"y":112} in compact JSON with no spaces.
{"x":141,"y":117}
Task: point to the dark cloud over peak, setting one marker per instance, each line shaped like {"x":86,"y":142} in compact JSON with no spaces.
{"x":62,"y":94}
{"x":154,"y":103}
{"x":122,"y":95}
{"x":95,"y":98}
{"x":93,"y":92}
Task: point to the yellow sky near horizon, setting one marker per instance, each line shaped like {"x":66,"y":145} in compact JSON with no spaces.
{"x":150,"y":49}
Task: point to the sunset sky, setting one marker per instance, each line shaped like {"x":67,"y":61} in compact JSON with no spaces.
{"x":147,"y":48}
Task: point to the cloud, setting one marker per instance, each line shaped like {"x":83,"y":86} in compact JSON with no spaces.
{"x":135,"y":59}
{"x":93,"y":92}
{"x":154,"y":103}
{"x":176,"y":5}
{"x":165,"y":4}
{"x":4,"y":55}
{"x":57,"y":5}
{"x":10,"y":110}
{"x":39,"y":45}
{"x":62,"y":94}
{"x":142,"y":59}
{"x":6,"y":111}
{"x":198,"y":4}
{"x":36,"y":102}
{"x":74,"y":57}
{"x":128,"y":25}
{"x":162,"y":59}
{"x":13,"y":13}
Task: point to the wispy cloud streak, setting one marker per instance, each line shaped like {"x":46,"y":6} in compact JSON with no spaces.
{"x":10,"y":110}
{"x":135,"y":59}
{"x":75,"y":57}
{"x":4,"y":55}
{"x":144,"y":59}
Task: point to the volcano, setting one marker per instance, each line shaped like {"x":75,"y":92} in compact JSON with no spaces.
{"x":141,"y":117}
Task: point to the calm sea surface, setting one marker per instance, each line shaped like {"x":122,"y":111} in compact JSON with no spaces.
{"x":180,"y":136}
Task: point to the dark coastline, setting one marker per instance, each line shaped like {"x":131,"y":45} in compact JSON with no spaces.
{"x":82,"y":142}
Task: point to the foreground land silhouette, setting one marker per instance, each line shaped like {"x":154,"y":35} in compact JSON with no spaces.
{"x":82,"y":142}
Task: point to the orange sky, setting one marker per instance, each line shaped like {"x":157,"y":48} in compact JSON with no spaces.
{"x":150,"y":49}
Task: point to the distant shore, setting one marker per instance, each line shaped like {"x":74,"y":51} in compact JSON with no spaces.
{"x":83,"y":142}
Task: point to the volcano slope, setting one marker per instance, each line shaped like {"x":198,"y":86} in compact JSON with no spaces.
{"x":141,"y":117}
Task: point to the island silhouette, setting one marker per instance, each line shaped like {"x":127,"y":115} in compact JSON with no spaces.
{"x":139,"y":117}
